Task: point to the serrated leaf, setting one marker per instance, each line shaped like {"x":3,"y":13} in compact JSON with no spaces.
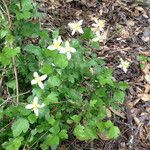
{"x":36,"y":50}
{"x":88,"y":34}
{"x":55,"y":129}
{"x":19,"y":126}
{"x":113,"y":132}
{"x":119,"y":96}
{"x":51,"y":98}
{"x":55,"y":34}
{"x":46,"y":69}
{"x":76,"y":118}
{"x":63,"y":134}
{"x":61,"y":61}
{"x":32,"y":118}
{"x":54,"y":81}
{"x":13,"y":144}
{"x":52,"y":141}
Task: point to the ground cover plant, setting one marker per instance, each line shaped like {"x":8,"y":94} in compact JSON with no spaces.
{"x":51,"y":86}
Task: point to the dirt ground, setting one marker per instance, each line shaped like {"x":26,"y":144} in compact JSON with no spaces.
{"x":128,"y":27}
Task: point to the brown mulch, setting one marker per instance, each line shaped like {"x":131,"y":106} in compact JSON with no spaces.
{"x":128,"y":26}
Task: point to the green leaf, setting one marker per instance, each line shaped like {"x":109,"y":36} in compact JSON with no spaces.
{"x":51,"y":98}
{"x":76,"y":118}
{"x":50,"y":119}
{"x":13,"y":144}
{"x":3,"y":33}
{"x":55,"y":129}
{"x":75,"y":43}
{"x":26,"y":5}
{"x":36,"y":50}
{"x":52,"y":141}
{"x":55,"y":34}
{"x":63,"y":134}
{"x":148,"y":59}
{"x":32,"y":118}
{"x":11,"y":84}
{"x":113,"y":132}
{"x":119,"y":96}
{"x":19,"y":126}
{"x":108,"y":124}
{"x":79,"y":132}
{"x":105,"y":77}
{"x":1,"y":112}
{"x":84,"y":133}
{"x":46,"y":69}
{"x":88,"y":34}
{"x":101,"y":126}
{"x":54,"y":81}
{"x":141,"y":58}
{"x":9,"y":52}
{"x":122,"y":85}
{"x":61,"y":61}
{"x":95,"y":45}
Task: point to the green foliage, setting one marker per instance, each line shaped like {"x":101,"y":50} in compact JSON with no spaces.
{"x":19,"y":126}
{"x":76,"y":91}
{"x":143,"y":59}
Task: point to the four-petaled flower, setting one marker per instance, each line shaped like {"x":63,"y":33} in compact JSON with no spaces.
{"x":124,"y":65}
{"x":38,"y":80}
{"x":98,"y":25}
{"x":68,"y":50}
{"x":35,"y":106}
{"x":76,"y":26}
{"x":56,"y":44}
{"x":100,"y":37}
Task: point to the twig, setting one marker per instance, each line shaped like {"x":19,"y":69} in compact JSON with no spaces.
{"x":14,"y":97}
{"x":1,"y":80}
{"x":38,"y":139}
{"x":8,"y":14}
{"x":16,"y":80}
{"x":13,"y":59}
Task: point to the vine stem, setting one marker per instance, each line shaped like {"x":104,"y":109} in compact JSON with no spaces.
{"x":16,"y":80}
{"x":13,"y":59}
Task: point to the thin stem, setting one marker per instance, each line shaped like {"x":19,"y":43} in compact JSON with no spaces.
{"x":16,"y":80}
{"x":14,"y":97}
{"x":38,"y":139}
{"x":8,"y":14}
{"x":13,"y":59}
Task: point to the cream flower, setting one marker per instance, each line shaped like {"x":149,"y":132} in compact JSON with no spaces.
{"x":98,"y":25}
{"x":68,"y":50}
{"x":100,"y":37}
{"x":38,"y":80}
{"x":76,"y":27}
{"x":56,"y":44}
{"x":124,"y":65}
{"x":35,"y":106}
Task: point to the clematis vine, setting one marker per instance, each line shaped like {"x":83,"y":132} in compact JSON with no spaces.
{"x":98,"y":25}
{"x":100,"y":37}
{"x":35,"y":106}
{"x":68,"y":50}
{"x":38,"y":80}
{"x":76,"y":27}
{"x":124,"y":65}
{"x":56,"y":44}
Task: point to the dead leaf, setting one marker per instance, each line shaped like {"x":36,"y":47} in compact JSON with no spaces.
{"x":125,"y":33}
{"x":118,"y":113}
{"x":108,"y":112}
{"x":130,"y":23}
{"x":147,"y":88}
{"x":137,"y":121}
{"x":103,"y":136}
{"x":145,"y":97}
{"x":147,"y":78}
